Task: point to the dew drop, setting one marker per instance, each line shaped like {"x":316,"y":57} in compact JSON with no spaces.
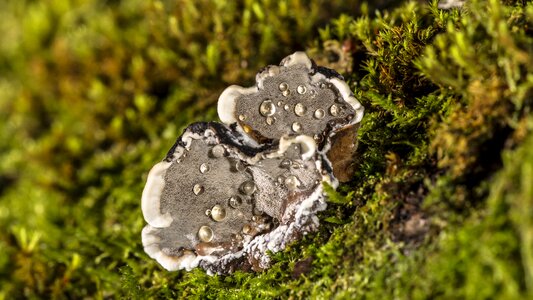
{"x":323,"y":85}
{"x":204,"y":168}
{"x":286,"y":93}
{"x":319,"y":113}
{"x":270,"y":120}
{"x":248,"y":187}
{"x":235,"y":201}
{"x":292,"y":182}
{"x":218,"y":151}
{"x":237,"y":166}
{"x":334,"y":110}
{"x":218,"y":213}
{"x":281,"y":179}
{"x":296,"y":127}
{"x":300,"y":109}
{"x":280,"y":103}
{"x":208,"y":212}
{"x":242,"y":117}
{"x":286,"y":107}
{"x":283,"y":86}
{"x":301,"y":89}
{"x":286,"y":163}
{"x":267,"y":108}
{"x":205,"y":233}
{"x":247,"y":229}
{"x":197,"y":189}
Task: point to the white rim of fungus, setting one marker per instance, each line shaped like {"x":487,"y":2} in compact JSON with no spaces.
{"x":187,"y":261}
{"x":150,"y":201}
{"x":306,"y":142}
{"x":228,"y":101}
{"x":268,"y":72}
{"x":297,"y":58}
{"x":348,"y":96}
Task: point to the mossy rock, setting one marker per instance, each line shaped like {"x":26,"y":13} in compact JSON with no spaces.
{"x":92,"y":93}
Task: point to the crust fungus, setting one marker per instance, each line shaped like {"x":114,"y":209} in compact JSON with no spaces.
{"x":227,"y":193}
{"x":297,"y":98}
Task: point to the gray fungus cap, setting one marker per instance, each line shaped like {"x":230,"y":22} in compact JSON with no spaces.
{"x":297,"y":97}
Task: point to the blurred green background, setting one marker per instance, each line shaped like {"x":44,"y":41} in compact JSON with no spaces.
{"x":93,"y":93}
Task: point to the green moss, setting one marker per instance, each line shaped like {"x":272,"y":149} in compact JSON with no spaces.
{"x":93,"y":93}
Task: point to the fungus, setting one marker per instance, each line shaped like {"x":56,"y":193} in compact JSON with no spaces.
{"x":227,"y":193}
{"x":297,"y":98}
{"x":221,"y":205}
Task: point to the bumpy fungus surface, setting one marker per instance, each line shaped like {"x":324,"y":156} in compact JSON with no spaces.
{"x":228,"y":193}
{"x":297,"y":97}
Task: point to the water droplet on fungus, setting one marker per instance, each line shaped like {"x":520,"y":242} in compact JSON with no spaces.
{"x":197,"y":189}
{"x":300,"y":109}
{"x":267,"y":108}
{"x":205,"y":234}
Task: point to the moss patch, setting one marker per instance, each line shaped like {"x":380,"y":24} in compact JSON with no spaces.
{"x":92,"y":94}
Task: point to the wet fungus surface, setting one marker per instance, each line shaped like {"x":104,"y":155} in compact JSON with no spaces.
{"x":296,"y":98}
{"x":227,"y":193}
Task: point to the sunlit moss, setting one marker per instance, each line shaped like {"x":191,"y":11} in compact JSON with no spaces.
{"x":93,"y":93}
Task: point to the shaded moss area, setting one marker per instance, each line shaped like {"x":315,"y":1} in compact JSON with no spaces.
{"x":93,"y":93}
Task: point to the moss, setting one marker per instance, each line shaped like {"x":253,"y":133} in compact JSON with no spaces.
{"x":93,"y":93}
